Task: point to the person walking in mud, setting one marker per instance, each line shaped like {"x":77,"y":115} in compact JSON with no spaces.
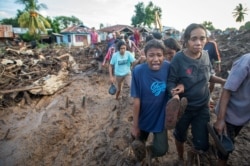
{"x":233,"y":107}
{"x":192,"y":67}
{"x":121,"y":62}
{"x":149,"y":90}
{"x":214,"y":55}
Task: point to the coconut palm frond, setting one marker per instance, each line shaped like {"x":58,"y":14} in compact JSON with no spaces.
{"x":23,"y":20}
{"x":32,"y":27}
{"x":40,"y":25}
{"x":45,"y":21}
{"x":239,"y":13}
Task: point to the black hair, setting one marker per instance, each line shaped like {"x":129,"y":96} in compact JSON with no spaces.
{"x":157,"y":35}
{"x":126,"y":37}
{"x":189,"y":29}
{"x":149,"y":37}
{"x":154,"y":43}
{"x":120,"y":43}
{"x":172,"y":44}
{"x":116,"y":41}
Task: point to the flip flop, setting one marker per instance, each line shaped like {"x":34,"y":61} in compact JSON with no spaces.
{"x":172,"y":111}
{"x":222,"y":142}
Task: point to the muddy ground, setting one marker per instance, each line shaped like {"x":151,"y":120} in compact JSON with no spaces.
{"x":61,"y":129}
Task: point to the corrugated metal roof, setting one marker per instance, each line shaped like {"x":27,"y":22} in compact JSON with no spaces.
{"x":76,"y":29}
{"x":116,"y":28}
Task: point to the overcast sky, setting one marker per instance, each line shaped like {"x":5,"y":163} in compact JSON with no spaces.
{"x":175,"y":13}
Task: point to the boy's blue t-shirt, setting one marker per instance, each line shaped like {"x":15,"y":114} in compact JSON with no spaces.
{"x":151,"y":88}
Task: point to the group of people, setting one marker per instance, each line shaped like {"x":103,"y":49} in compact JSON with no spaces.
{"x":164,"y":71}
{"x":174,"y":72}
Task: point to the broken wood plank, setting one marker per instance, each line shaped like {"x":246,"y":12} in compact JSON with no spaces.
{"x":33,"y":72}
{"x":19,"y":89}
{"x":27,"y":98}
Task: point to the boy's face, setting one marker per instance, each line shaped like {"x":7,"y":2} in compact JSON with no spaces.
{"x":122,"y":49}
{"x":155,"y":58}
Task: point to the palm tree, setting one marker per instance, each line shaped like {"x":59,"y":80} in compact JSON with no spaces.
{"x":239,"y":13}
{"x":31,"y":19}
{"x":32,"y":4}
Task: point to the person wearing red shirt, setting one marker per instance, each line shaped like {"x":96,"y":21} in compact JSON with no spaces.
{"x":93,"y":37}
{"x":137,"y":37}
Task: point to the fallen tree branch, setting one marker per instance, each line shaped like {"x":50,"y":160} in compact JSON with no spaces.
{"x":19,"y":89}
{"x":33,"y":72}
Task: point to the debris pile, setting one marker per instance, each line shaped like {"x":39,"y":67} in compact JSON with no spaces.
{"x":25,"y":72}
{"x":231,"y":48}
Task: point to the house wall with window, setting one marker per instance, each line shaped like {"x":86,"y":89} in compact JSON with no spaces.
{"x":77,"y":39}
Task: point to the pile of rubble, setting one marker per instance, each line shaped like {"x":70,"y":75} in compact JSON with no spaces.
{"x":232,"y":47}
{"x":26,"y":72}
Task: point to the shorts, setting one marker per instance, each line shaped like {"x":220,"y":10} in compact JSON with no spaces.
{"x":160,"y":142}
{"x":120,"y":80}
{"x":232,"y":132}
{"x":198,"y":120}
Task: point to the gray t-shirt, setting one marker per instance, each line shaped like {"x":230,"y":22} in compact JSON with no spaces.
{"x":194,"y":74}
{"x":238,"y":82}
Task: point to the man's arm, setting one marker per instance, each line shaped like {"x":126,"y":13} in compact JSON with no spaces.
{"x":135,"y":130}
{"x":111,"y":73}
{"x":215,"y":79}
{"x":220,"y":124}
{"x":134,"y":45}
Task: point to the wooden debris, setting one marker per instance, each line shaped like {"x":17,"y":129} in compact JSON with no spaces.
{"x":6,"y":135}
{"x":83,"y":102}
{"x":73,"y":110}
{"x":27,"y":72}
{"x":67,"y":102}
{"x":27,"y":98}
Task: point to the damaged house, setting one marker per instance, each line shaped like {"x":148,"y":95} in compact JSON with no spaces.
{"x":77,"y":35}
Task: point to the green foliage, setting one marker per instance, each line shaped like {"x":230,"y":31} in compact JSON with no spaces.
{"x":145,"y":16}
{"x":138,"y":18}
{"x":247,"y":25}
{"x":42,"y":45}
{"x":31,"y":19}
{"x":239,"y":13}
{"x":208,"y":25}
{"x":54,"y":25}
{"x":27,"y":37}
{"x":65,"y":22}
{"x":10,"y":21}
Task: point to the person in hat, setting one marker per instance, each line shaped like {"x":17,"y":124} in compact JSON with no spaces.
{"x":233,"y":107}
